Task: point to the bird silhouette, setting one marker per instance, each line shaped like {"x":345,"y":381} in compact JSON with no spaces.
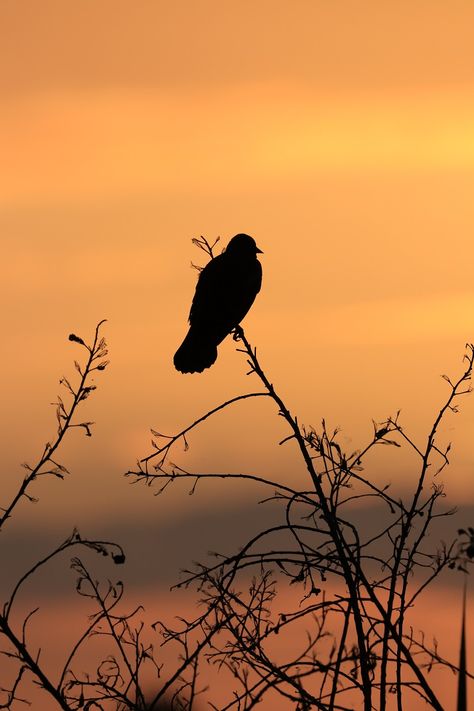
{"x":225,"y":291}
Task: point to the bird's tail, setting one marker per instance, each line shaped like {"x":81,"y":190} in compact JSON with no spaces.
{"x":195,"y":353}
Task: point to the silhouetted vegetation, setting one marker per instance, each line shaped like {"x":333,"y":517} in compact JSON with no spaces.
{"x":352,"y":587}
{"x":358,"y":639}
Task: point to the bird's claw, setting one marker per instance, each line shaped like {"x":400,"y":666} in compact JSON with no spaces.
{"x":237,"y":333}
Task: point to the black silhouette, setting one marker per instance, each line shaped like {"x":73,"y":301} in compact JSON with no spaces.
{"x":226,"y":289}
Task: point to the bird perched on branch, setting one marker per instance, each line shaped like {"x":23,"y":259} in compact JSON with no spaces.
{"x":225,"y":291}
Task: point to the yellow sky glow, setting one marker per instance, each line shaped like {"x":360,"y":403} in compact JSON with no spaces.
{"x":339,"y":134}
{"x":93,"y":144}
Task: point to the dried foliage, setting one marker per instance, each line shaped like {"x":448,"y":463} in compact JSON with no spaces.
{"x":113,"y":681}
{"x":352,"y":642}
{"x":356,"y":643}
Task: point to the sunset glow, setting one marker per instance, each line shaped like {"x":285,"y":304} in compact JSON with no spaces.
{"x":341,"y":137}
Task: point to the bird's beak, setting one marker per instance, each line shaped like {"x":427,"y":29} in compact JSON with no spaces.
{"x":259,"y":251}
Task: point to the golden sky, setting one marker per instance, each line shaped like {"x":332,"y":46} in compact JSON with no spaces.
{"x":340,"y":135}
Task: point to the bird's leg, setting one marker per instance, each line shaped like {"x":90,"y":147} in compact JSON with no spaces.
{"x":237,"y":333}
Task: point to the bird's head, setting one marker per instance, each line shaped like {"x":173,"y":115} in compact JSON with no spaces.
{"x":243,"y":245}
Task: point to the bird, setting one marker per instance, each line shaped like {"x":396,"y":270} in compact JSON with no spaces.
{"x":225,"y":291}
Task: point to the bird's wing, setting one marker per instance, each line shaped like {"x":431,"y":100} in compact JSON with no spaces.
{"x":225,"y":291}
{"x":210,"y":285}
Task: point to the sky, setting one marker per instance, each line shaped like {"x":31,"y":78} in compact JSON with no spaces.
{"x":340,"y":135}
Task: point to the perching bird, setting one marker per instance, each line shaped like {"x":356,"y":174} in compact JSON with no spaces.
{"x":225,"y":291}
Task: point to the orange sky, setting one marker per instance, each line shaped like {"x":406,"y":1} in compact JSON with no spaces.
{"x":340,"y":135}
